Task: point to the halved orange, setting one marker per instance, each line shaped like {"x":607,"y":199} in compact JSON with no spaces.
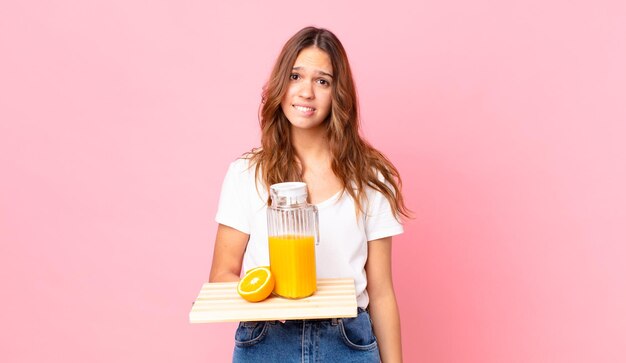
{"x":257,"y":284}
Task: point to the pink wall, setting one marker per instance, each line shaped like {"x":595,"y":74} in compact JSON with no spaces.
{"x":506,"y":119}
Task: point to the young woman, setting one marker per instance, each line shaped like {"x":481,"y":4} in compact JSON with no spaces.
{"x":310,"y":132}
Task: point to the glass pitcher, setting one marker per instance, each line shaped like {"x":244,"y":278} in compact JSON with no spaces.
{"x":292,"y":226}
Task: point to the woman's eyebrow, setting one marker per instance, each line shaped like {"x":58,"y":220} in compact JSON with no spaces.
{"x":316,"y":71}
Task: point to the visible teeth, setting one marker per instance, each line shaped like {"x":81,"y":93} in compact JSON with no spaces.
{"x":304,"y":109}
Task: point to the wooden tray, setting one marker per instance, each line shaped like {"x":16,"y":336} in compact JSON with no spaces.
{"x":220,"y":302}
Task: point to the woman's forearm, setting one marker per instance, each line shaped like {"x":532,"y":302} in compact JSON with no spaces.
{"x":386,"y":322}
{"x":224,"y":277}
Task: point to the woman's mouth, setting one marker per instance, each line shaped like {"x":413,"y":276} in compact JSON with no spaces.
{"x":304,"y":109}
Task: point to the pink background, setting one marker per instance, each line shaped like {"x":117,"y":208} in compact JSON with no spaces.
{"x":506,"y":119}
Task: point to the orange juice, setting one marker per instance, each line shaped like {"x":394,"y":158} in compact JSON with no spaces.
{"x":292,"y":262}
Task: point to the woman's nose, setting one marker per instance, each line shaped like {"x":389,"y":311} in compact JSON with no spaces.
{"x":306,"y":90}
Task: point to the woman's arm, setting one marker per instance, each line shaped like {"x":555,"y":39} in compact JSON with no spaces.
{"x":230,"y":244}
{"x":383,"y":308}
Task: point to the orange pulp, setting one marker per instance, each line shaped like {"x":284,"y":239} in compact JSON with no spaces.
{"x":257,"y":284}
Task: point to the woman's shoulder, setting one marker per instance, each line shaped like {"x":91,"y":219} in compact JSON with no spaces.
{"x":243,"y":169}
{"x":240,"y":164}
{"x":245,"y":161}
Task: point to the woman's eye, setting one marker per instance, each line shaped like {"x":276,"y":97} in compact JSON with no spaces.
{"x":323,"y":82}
{"x":294,"y":76}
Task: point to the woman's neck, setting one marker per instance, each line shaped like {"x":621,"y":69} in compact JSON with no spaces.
{"x":311,"y":145}
{"x":313,"y":153}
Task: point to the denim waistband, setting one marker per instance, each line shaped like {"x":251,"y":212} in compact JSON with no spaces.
{"x":333,"y":321}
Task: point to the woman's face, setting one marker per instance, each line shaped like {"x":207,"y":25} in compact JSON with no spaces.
{"x":308,"y":98}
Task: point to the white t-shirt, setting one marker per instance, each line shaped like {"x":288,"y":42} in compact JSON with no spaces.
{"x":342,"y":250}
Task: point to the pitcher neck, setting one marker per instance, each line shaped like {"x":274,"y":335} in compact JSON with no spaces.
{"x":288,"y":195}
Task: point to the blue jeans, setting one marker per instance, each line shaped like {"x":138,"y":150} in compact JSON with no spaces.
{"x":316,"y":340}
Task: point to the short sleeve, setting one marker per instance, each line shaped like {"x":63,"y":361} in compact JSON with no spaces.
{"x":380,"y":221}
{"x":233,"y":210}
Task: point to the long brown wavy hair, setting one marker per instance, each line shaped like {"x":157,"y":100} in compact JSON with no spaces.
{"x":354,"y":161}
